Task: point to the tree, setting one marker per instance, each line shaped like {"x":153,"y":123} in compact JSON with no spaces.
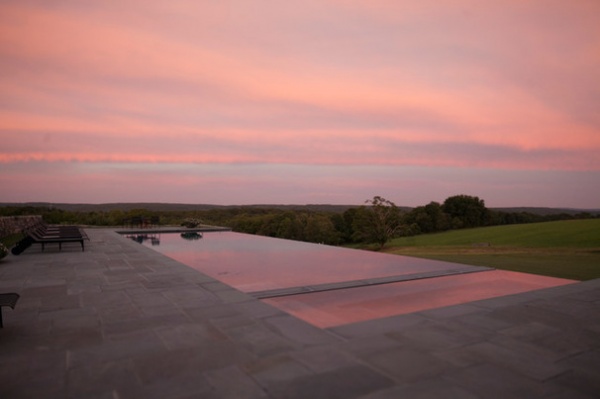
{"x":320,"y":229}
{"x":427,"y":219}
{"x":466,"y":211}
{"x":377,"y":223}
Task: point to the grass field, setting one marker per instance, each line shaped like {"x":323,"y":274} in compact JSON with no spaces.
{"x":567,"y":249}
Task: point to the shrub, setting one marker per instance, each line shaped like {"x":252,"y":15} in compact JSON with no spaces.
{"x":3,"y":251}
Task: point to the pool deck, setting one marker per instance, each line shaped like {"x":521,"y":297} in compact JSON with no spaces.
{"x":123,"y":321}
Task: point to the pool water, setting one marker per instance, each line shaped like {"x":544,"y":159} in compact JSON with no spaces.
{"x":255,"y":263}
{"x":312,"y":281}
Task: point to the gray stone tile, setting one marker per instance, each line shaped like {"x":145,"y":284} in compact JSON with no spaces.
{"x":58,"y":302}
{"x":569,"y":341}
{"x":508,"y":300}
{"x":233,"y":321}
{"x":113,"y":350}
{"x":459,"y":357}
{"x":232,"y":296}
{"x":215,"y":286}
{"x":428,"y":389}
{"x":568,"y":306}
{"x":584,"y":373}
{"x":120,"y":286}
{"x":101,"y":378}
{"x":45,"y":290}
{"x":260,"y":340}
{"x":132,"y":336}
{"x":528,"y":363}
{"x":408,"y":365}
{"x":63,"y":341}
{"x":451,"y":311}
{"x":41,"y":373}
{"x":568,"y":393}
{"x":163,"y":281}
{"x":215,"y":311}
{"x":257,"y":309}
{"x":167,"y":310}
{"x":185,"y":384}
{"x":299,"y":331}
{"x":491,"y":381}
{"x":189,"y":335}
{"x":171,"y":364}
{"x":485,"y":321}
{"x":189,"y":296}
{"x":526,"y":314}
{"x":99,"y":395}
{"x":275,"y":369}
{"x":60,"y":315}
{"x":366,"y":346}
{"x":105,"y":299}
{"x":530,"y":331}
{"x":589,"y":295}
{"x":123,"y":313}
{"x":120,"y":320}
{"x":80,"y":289}
{"x":75,"y":324}
{"x":231,"y":382}
{"x":379,"y":326}
{"x":547,"y":353}
{"x":151,"y":300}
{"x":439,"y":336}
{"x":323,"y":358}
{"x":143,"y":323}
{"x":341,"y":383}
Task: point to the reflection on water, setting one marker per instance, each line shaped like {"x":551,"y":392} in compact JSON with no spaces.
{"x":192,"y":235}
{"x":254,"y":263}
{"x":333,"y":308}
{"x":154,"y":239}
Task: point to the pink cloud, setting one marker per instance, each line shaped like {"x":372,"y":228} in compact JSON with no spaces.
{"x":508,"y":87}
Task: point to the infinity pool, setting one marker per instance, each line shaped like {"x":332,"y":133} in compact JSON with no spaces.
{"x":255,"y":263}
{"x":329,"y":286}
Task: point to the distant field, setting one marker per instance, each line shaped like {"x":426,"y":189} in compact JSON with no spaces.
{"x":567,"y":249}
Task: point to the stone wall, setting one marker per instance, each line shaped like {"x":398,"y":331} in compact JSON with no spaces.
{"x":14,"y":224}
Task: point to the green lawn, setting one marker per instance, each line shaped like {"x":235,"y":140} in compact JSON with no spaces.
{"x":567,"y":249}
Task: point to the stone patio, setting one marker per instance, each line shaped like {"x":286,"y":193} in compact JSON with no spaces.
{"x":123,"y":321}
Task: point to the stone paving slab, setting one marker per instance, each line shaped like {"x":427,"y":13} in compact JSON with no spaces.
{"x":122,"y":321}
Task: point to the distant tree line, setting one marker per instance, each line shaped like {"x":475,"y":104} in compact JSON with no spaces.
{"x":376,"y":221}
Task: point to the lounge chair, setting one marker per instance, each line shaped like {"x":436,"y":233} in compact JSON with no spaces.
{"x":60,"y":238}
{"x":46,"y":229}
{"x":44,"y":234}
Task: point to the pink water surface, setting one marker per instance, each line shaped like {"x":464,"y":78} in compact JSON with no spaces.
{"x":333,"y":308}
{"x":253,"y":263}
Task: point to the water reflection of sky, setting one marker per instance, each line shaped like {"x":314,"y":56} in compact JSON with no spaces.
{"x":333,"y":308}
{"x":254,"y":263}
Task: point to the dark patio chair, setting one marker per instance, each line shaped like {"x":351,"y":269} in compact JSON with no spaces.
{"x":63,"y":237}
{"x":46,"y":234}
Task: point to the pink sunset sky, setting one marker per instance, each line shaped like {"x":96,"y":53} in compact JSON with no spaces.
{"x":312,"y":101}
